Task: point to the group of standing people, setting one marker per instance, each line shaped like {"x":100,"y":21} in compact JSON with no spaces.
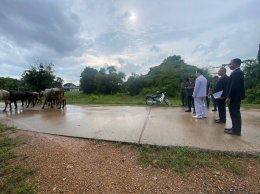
{"x":231,"y":89}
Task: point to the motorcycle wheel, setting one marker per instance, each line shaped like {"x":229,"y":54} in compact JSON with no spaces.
{"x":167,"y":101}
{"x":149,"y":101}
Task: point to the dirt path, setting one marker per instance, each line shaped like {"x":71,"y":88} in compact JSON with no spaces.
{"x":71,"y":165}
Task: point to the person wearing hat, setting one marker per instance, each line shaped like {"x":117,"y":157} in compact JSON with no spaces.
{"x":235,"y":93}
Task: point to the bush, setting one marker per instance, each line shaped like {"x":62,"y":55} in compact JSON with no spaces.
{"x":253,"y":95}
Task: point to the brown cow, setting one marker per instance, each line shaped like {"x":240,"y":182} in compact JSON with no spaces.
{"x":54,"y":95}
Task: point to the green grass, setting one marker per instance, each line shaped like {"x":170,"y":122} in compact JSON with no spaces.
{"x":79,"y":97}
{"x":12,"y":176}
{"x":117,"y":99}
{"x":3,"y":128}
{"x":184,"y":160}
{"x":15,"y":181}
{"x":254,"y":106}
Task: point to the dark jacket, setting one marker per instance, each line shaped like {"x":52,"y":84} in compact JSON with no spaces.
{"x":236,"y":90}
{"x":222,"y":84}
{"x":189,"y":87}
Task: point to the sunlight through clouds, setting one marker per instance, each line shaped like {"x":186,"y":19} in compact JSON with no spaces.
{"x":131,"y":35}
{"x":133,"y":17}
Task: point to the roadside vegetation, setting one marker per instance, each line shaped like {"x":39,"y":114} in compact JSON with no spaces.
{"x":248,"y":105}
{"x":12,"y":176}
{"x":184,"y":159}
{"x":78,"y":97}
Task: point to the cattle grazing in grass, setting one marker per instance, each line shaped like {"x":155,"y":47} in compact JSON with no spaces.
{"x":54,"y":96}
{"x":4,"y":95}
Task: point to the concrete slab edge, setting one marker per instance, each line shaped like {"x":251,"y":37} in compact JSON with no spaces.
{"x":230,"y":153}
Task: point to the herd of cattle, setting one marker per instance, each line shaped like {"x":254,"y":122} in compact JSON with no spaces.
{"x":53,"y":96}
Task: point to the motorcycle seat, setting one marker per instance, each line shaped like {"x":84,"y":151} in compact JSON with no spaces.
{"x":151,"y":96}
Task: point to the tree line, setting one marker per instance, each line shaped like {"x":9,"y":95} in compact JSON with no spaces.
{"x":37,"y":78}
{"x":166,"y":76}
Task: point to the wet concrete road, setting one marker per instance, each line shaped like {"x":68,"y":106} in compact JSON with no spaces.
{"x":139,"y":124}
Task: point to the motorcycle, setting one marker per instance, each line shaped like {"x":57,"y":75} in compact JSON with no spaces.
{"x":155,"y":99}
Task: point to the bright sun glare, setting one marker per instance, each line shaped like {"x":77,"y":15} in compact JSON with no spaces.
{"x":132,"y":17}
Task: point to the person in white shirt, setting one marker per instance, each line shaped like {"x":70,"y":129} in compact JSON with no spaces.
{"x":199,"y":95}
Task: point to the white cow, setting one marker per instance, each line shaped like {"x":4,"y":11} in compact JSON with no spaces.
{"x":4,"y":95}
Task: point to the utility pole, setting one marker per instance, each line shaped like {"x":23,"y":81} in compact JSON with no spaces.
{"x":258,"y":54}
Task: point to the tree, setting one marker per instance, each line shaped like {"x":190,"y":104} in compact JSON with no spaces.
{"x":104,"y":81}
{"x":108,"y":81}
{"x":69,"y":85}
{"x":115,"y":80}
{"x":57,"y":83}
{"x":40,"y":77}
{"x":87,"y":80}
{"x":135,"y":83}
{"x":169,"y":74}
{"x":251,"y":70}
{"x":8,"y":83}
{"x":101,"y":82}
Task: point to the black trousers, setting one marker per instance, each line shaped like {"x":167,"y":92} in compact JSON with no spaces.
{"x":215,"y":103}
{"x":183,"y":101}
{"x":221,"y":109}
{"x":234,"y":111}
{"x":207,"y":101}
{"x":190,"y":102}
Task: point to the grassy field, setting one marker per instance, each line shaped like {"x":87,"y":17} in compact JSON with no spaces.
{"x":123,"y":99}
{"x":247,"y":105}
{"x":12,"y":175}
{"x":117,"y":99}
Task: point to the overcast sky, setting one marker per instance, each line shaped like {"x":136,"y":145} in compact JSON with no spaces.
{"x":132,"y":35}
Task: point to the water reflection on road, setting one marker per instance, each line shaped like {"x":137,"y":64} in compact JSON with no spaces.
{"x":138,"y":124}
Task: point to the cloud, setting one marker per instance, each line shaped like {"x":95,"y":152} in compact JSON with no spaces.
{"x":112,"y":42}
{"x":39,"y":23}
{"x":130,"y":68}
{"x":155,"y":49}
{"x":121,"y":61}
{"x":238,"y":41}
{"x":76,"y":34}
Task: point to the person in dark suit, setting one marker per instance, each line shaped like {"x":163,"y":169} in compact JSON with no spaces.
{"x":183,"y":96}
{"x":235,"y":93}
{"x":222,"y":86}
{"x":189,"y":90}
